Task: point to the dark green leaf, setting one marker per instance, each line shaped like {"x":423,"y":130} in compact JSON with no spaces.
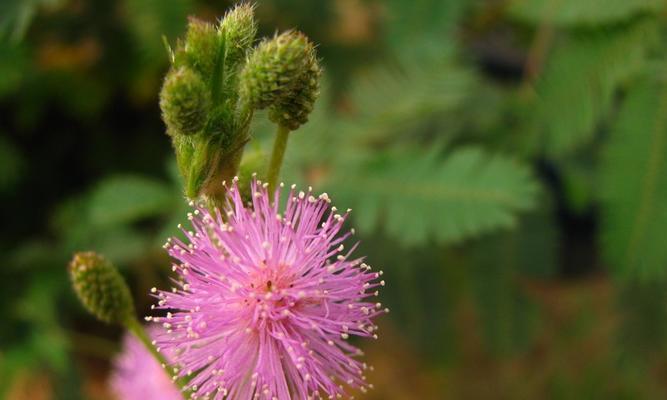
{"x":124,"y":199}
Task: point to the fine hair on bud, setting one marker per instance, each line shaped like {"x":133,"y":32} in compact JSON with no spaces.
{"x":101,"y":288}
{"x":274,"y":67}
{"x":239,"y":29}
{"x":185,"y":102}
{"x":201,"y":47}
{"x":292,"y":110}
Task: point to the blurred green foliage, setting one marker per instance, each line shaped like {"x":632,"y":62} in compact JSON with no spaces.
{"x":505,"y":161}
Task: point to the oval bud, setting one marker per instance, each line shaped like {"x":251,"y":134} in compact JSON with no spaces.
{"x":273,"y":69}
{"x":185,"y":102}
{"x":292,"y":110}
{"x":101,"y":288}
{"x":202,"y":44}
{"x":239,"y":29}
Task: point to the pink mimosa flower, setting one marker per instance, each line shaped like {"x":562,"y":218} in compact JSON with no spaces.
{"x":138,"y":376}
{"x":267,"y":301}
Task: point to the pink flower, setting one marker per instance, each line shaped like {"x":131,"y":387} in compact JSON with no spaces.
{"x":267,"y":301}
{"x":138,"y":376}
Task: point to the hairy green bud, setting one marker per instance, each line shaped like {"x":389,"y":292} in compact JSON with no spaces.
{"x":101,"y":288}
{"x":292,"y":110}
{"x":273,"y":69}
{"x":201,"y":47}
{"x":185,"y":102}
{"x":239,"y":29}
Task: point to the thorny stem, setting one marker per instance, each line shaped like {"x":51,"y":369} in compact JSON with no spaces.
{"x":277,"y":156}
{"x":138,"y":331}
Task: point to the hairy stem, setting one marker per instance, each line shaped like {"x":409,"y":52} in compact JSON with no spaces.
{"x":277,"y":156}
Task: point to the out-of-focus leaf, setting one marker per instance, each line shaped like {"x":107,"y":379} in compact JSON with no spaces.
{"x":578,"y":12}
{"x":507,"y":315}
{"x":414,"y":23}
{"x":390,"y":100}
{"x":124,"y":199}
{"x":11,"y":164}
{"x":416,"y":196}
{"x":423,"y":303}
{"x":16,"y":15}
{"x":579,"y":184}
{"x":13,"y":64}
{"x":121,"y":245}
{"x":39,"y":307}
{"x":580,"y":79}
{"x":633,"y":185}
{"x":150,"y":20}
{"x":498,"y":265}
{"x":535,"y":244}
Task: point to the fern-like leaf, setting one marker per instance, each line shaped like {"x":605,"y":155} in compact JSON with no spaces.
{"x":392,"y":99}
{"x":581,"y":12}
{"x":634,"y":185}
{"x":419,"y":196}
{"x":581,"y":78}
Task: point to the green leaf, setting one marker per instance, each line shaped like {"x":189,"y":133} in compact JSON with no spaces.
{"x":125,"y":199}
{"x":580,"y":79}
{"x":151,"y":20}
{"x":633,"y":185}
{"x":419,"y":196}
{"x":424,"y":87}
{"x":424,"y":303}
{"x":16,"y":15}
{"x":581,"y":12}
{"x":411,"y":25}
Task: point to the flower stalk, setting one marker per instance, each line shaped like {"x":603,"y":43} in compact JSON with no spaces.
{"x":277,"y":156}
{"x":105,"y":294}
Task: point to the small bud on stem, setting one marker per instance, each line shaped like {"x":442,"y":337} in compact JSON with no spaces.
{"x":185,"y":102}
{"x":293,"y":109}
{"x":274,"y":68}
{"x":101,"y":289}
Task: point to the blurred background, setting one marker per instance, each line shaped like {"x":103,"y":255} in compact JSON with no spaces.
{"x":505,"y":160}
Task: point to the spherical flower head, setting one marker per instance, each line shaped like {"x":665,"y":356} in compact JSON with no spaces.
{"x":138,"y":376}
{"x":274,"y":67}
{"x":267,"y":300}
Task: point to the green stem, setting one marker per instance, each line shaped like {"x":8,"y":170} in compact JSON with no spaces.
{"x":138,"y":331}
{"x":277,"y":156}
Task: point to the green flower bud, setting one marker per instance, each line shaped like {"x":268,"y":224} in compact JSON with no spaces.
{"x":273,"y":69}
{"x":185,"y":102}
{"x":239,"y":28}
{"x":202,"y":44}
{"x":292,"y":110}
{"x":101,"y":289}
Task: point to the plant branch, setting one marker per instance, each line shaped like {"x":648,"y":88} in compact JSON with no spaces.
{"x":277,"y":156}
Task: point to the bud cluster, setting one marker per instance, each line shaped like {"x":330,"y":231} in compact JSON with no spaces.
{"x":218,"y":80}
